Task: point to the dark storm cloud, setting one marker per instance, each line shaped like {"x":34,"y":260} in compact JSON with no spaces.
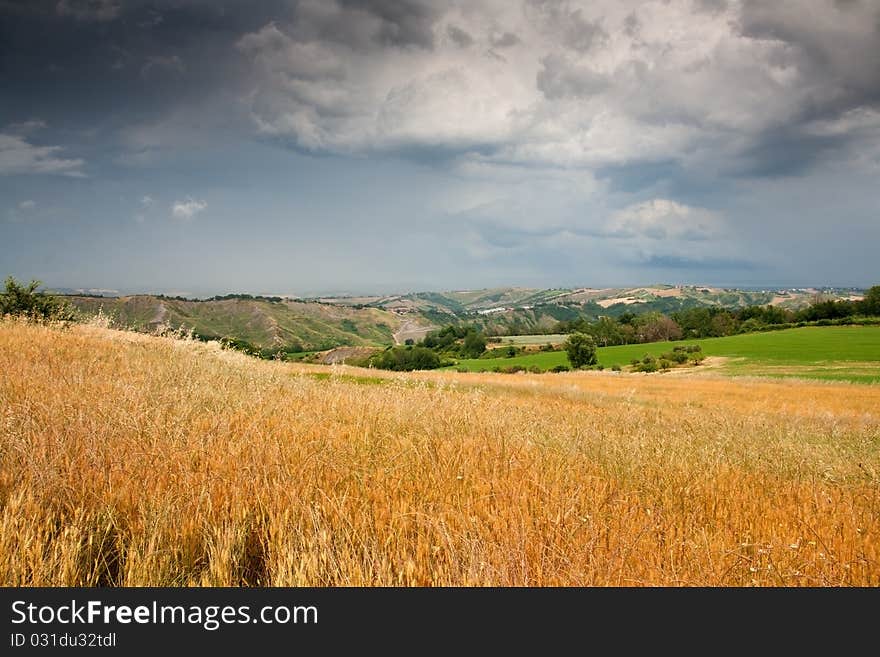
{"x":324,"y":80}
{"x":786,"y":151}
{"x":321,"y":76}
{"x":547,"y":121}
{"x":402,"y":22}
{"x":362,"y":25}
{"x":838,"y":64}
{"x":558,"y":78}
{"x":835,"y":51}
{"x":573,"y":29}
{"x":631,"y":25}
{"x":89,"y":10}
{"x":505,"y":40}
{"x":85,"y":57}
{"x":711,"y":6}
{"x":460,"y":37}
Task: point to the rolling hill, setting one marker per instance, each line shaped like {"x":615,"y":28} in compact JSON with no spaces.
{"x":515,"y":310}
{"x":299,"y":325}
{"x":327,"y":322}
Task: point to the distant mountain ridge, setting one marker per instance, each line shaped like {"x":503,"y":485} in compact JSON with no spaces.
{"x":327,"y":322}
{"x":511,"y":310}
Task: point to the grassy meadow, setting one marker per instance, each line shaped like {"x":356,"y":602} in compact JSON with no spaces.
{"x":848,"y":353}
{"x":127,"y":459}
{"x":530,"y":340}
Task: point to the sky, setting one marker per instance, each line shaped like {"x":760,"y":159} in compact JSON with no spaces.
{"x":356,"y":146}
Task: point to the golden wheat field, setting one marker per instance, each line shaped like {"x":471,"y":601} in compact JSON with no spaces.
{"x":135,"y":460}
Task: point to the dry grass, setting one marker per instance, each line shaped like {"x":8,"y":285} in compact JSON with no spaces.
{"x":135,"y":460}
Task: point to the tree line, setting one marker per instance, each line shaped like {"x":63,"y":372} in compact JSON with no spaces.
{"x":436,"y":349}
{"x":712,"y":322}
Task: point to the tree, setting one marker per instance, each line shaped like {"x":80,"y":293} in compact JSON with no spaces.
{"x":607,"y":332}
{"x":25,"y":301}
{"x":654,"y":327}
{"x":474,"y":344}
{"x":724,"y":324}
{"x":871,"y":302}
{"x":581,"y":350}
{"x":627,"y":318}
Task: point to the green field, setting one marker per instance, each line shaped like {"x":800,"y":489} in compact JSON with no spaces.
{"x":846,"y":353}
{"x":521,"y":340}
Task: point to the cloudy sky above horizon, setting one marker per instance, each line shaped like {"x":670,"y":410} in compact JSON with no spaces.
{"x":313,"y":146}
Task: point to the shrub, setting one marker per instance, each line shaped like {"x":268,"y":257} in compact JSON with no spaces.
{"x":25,"y":301}
{"x":615,"y":367}
{"x":647,"y":364}
{"x":560,"y":368}
{"x":474,"y":344}
{"x":534,"y":369}
{"x":677,"y":356}
{"x":405,"y":359}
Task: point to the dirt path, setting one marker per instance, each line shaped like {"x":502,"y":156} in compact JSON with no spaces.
{"x":160,"y":314}
{"x":411,"y":329}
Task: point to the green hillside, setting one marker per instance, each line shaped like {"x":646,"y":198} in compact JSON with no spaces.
{"x":850,"y":353}
{"x":473,"y":300}
{"x":513,"y":310}
{"x":262,"y":323}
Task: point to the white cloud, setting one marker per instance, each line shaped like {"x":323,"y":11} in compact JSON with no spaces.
{"x":188,"y":208}
{"x":662,"y":219}
{"x":332,"y":97}
{"x":147,"y":201}
{"x":22,"y":211}
{"x":17,"y":156}
{"x":665,"y":234}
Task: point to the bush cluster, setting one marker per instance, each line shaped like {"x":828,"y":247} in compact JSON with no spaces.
{"x":25,"y":301}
